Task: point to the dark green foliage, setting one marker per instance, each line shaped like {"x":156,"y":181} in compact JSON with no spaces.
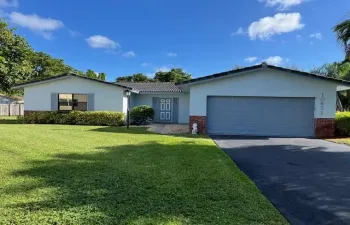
{"x":102,"y":76}
{"x":138,"y":77}
{"x":174,"y":75}
{"x":124,"y":79}
{"x":342,"y":31}
{"x":342,"y":124}
{"x":20,"y":63}
{"x":141,"y":114}
{"x":91,"y":74}
{"x":46,"y":66}
{"x":75,"y":118}
{"x":14,"y":57}
{"x":334,"y":70}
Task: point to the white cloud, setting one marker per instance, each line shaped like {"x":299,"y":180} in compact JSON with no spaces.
{"x":280,"y":23}
{"x":129,"y":54}
{"x":317,"y":36}
{"x":9,"y":3}
{"x":35,"y":23}
{"x":171,"y":54}
{"x":145,"y":64}
{"x":163,"y":69}
{"x":43,"y":26}
{"x":240,"y":31}
{"x":251,"y":59}
{"x":275,"y":60}
{"x":282,"y":4}
{"x":99,"y":41}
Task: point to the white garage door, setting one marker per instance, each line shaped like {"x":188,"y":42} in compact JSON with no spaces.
{"x":261,"y":116}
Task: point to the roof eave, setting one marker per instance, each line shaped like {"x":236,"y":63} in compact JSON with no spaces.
{"x":63,"y":76}
{"x":258,"y":67}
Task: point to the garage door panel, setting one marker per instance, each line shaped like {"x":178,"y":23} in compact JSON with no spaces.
{"x":260,"y":116}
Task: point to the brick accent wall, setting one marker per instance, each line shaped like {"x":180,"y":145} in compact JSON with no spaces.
{"x":324,"y":127}
{"x":201,"y":122}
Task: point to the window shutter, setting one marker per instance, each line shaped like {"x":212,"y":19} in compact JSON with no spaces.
{"x":91,"y":102}
{"x":155,"y":106}
{"x":54,"y":101}
{"x":175,"y":110}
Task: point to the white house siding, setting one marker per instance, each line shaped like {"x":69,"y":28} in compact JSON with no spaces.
{"x":184,"y":103}
{"x":267,"y":83}
{"x":107,"y":97}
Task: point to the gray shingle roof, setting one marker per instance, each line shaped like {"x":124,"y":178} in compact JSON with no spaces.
{"x":152,"y":87}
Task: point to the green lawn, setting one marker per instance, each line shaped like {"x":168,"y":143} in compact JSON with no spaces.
{"x":55,"y":174}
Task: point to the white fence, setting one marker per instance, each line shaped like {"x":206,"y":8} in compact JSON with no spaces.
{"x":11,"y":109}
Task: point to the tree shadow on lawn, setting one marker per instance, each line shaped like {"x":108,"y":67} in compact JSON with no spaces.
{"x":150,"y":183}
{"x":8,"y":120}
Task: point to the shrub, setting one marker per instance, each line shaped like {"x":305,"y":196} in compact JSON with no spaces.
{"x":342,"y":123}
{"x":76,"y":117}
{"x":141,"y":114}
{"x":100,"y":118}
{"x":20,"y":119}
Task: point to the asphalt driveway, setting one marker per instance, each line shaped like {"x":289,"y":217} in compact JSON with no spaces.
{"x":307,"y":180}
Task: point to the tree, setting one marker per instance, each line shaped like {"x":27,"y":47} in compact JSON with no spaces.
{"x":334,"y":70}
{"x":342,"y":31}
{"x":174,"y":75}
{"x":101,"y":76}
{"x":91,"y":74}
{"x":45,"y":66}
{"x":124,"y":79}
{"x":138,"y":77}
{"x":14,"y":52}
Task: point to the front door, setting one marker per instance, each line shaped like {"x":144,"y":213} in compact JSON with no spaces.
{"x":165,"y":110}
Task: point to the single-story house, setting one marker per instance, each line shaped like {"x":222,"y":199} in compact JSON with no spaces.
{"x":259,"y":100}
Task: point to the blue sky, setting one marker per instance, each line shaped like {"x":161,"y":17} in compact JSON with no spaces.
{"x":202,"y":37}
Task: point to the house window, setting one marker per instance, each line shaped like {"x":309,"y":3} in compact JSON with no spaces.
{"x":69,"y":102}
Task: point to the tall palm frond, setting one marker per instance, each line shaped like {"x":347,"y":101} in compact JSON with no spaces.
{"x":343,"y":35}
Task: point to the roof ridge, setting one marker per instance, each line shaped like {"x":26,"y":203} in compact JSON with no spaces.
{"x":67,"y":75}
{"x":130,"y":82}
{"x":263,"y":65}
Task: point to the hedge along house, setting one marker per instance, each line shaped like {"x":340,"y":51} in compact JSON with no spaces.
{"x":261,"y":100}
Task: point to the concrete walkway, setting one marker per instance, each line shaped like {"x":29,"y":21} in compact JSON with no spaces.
{"x":168,"y":128}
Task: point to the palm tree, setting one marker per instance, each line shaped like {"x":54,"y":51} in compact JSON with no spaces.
{"x":343,"y":35}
